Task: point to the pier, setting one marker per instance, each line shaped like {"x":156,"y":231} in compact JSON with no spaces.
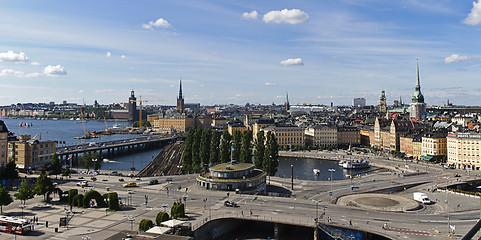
{"x":114,"y":148}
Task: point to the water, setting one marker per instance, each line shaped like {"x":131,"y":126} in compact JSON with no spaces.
{"x":303,"y":169}
{"x":66,"y":130}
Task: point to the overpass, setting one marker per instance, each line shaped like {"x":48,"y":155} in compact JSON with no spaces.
{"x":113,"y":148}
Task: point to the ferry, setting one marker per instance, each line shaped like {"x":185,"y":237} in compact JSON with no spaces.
{"x":356,"y":164}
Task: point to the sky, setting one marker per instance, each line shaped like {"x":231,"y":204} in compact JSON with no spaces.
{"x":249,"y":51}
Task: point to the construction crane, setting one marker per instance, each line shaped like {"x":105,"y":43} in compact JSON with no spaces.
{"x":37,"y":136}
{"x":140,"y":108}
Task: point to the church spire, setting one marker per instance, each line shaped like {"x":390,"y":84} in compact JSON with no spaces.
{"x":417,"y":95}
{"x":286,"y":104}
{"x":180,"y":89}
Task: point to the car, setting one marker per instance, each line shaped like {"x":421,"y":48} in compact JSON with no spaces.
{"x":153,"y":182}
{"x":130,"y":184}
{"x":457,"y":175}
{"x":121,"y":179}
{"x":83,"y":184}
{"x":227,"y":203}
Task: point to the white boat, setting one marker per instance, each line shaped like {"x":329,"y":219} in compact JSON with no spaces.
{"x":356,"y":164}
{"x":316,"y":171}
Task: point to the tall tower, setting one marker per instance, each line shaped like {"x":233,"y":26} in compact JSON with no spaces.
{"x":418,"y":107}
{"x":180,"y":100}
{"x":286,"y":104}
{"x":133,"y":107}
{"x":382,"y":102}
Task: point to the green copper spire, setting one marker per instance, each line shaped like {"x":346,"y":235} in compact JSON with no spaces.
{"x":417,"y":95}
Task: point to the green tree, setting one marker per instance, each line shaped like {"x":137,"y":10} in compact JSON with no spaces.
{"x":87,"y":160}
{"x":271,"y":154}
{"x":71,"y":195}
{"x":225,"y":147}
{"x":66,"y":171}
{"x":214,"y":148}
{"x":5,"y":198}
{"x":145,"y":224}
{"x":236,"y":145}
{"x":25,"y":192}
{"x":246,"y":149}
{"x":205,"y":148}
{"x":259,"y":150}
{"x":187,"y":156}
{"x":177,"y":210}
{"x":55,"y":165}
{"x":196,"y":149}
{"x":10,"y":170}
{"x":161,"y":217}
{"x":43,"y":186}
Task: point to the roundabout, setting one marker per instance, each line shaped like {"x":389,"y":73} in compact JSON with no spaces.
{"x":379,"y":202}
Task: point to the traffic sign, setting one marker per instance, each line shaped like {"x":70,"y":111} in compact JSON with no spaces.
{"x":330,"y":193}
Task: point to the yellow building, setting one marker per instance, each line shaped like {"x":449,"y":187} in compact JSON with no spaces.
{"x":287,"y":135}
{"x":232,"y":127}
{"x":434,"y":146}
{"x":321,"y":135}
{"x":31,"y":153}
{"x":172,"y":124}
{"x":464,"y":150}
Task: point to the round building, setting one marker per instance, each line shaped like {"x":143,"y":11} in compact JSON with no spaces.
{"x":233,"y":176}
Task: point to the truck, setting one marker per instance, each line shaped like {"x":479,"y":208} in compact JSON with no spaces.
{"x":421,"y":197}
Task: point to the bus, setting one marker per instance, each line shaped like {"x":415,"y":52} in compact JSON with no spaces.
{"x":15,"y":225}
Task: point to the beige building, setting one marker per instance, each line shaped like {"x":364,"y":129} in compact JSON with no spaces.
{"x":321,"y":135}
{"x":232,"y":127}
{"x":434,"y":146}
{"x":3,"y":144}
{"x":261,"y":123}
{"x":287,"y":135}
{"x":31,"y":153}
{"x":464,"y":150}
{"x":169,"y":124}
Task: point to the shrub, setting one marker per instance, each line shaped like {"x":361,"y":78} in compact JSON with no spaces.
{"x":71,"y":194}
{"x":177,"y":210}
{"x":79,"y":200}
{"x":161,"y":217}
{"x":145,"y":225}
{"x":92,"y":194}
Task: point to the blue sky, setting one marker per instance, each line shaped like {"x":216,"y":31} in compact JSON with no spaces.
{"x":318,"y":51}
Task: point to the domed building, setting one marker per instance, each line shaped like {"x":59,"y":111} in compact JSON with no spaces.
{"x":232,"y":176}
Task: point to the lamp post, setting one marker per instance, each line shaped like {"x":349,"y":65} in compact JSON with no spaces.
{"x":66,"y":217}
{"x":292,"y":177}
{"x":93,"y":178}
{"x":131,"y":219}
{"x":331,"y":170}
{"x":269,"y":173}
{"x":446,"y":201}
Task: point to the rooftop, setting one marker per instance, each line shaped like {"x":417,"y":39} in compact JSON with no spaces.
{"x":232,"y":167}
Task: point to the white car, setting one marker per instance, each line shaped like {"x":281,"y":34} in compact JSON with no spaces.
{"x":83,"y":183}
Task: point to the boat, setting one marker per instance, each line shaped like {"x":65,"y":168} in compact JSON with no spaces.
{"x":316,"y":171}
{"x":356,"y":164}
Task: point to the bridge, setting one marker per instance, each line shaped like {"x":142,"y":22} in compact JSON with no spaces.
{"x":117,"y":147}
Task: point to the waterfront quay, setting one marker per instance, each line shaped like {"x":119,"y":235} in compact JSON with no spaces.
{"x":309,"y":199}
{"x":116,"y":147}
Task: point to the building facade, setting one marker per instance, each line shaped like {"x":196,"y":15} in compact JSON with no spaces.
{"x":359,"y":102}
{"x":348,"y":136}
{"x":434,"y":146}
{"x":3,"y":144}
{"x":171,"y":124}
{"x":464,"y":150}
{"x":321,"y":135}
{"x":31,"y":153}
{"x":287,"y":135}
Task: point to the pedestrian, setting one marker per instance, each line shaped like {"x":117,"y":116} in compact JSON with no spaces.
{"x":384,"y":226}
{"x":350,"y":223}
{"x":46,"y":224}
{"x":242,"y":212}
{"x":251,"y":212}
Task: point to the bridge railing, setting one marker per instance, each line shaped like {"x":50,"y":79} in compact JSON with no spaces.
{"x":302,"y":222}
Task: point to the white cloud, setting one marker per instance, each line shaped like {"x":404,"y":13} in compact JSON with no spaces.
{"x":123,"y":57}
{"x":474,"y":17}
{"x":455,"y":58}
{"x":81,"y":91}
{"x":270,"y":84}
{"x":10,"y":72}
{"x":250,"y":15}
{"x":34,"y":74}
{"x":54,"y":70}
{"x":292,"y":16}
{"x":292,"y":61}
{"x":108,"y":54}
{"x":35,"y":63}
{"x":162,"y":23}
{"x":11,"y":56}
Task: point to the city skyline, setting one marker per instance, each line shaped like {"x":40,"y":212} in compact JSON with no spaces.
{"x":230,"y":52}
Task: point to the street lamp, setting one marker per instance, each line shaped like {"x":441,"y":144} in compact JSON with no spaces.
{"x":131,"y":219}
{"x":270,"y":156}
{"x":93,"y":178}
{"x":446,"y":201}
{"x":292,"y":177}
{"x":66,"y":217}
{"x":331,"y":170}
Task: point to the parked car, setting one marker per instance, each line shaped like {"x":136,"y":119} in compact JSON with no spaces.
{"x":130,"y":184}
{"x":153,"y":182}
{"x":83,"y":183}
{"x":228,"y":203}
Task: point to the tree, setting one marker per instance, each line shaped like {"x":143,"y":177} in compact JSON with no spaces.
{"x":161,"y":217}
{"x":196,"y":149}
{"x":55,"y":165}
{"x":236,"y":145}
{"x":43,"y":186}
{"x":205,"y":149}
{"x":225,"y":145}
{"x":246,"y":149}
{"x":214,"y":148}
{"x":177,"y":210}
{"x":145,"y":224}
{"x":66,"y":171}
{"x":86,"y":161}
{"x":187,"y":156}
{"x":259,"y":150}
{"x":271,"y":154}
{"x":10,"y":170}
{"x":25,"y":192}
{"x":5,"y":198}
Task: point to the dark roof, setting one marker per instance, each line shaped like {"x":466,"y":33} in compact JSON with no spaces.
{"x":3,"y":127}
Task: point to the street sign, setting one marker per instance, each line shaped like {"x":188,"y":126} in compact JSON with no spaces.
{"x":330,"y":193}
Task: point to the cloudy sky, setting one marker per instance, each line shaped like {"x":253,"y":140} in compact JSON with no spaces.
{"x":229,"y":51}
